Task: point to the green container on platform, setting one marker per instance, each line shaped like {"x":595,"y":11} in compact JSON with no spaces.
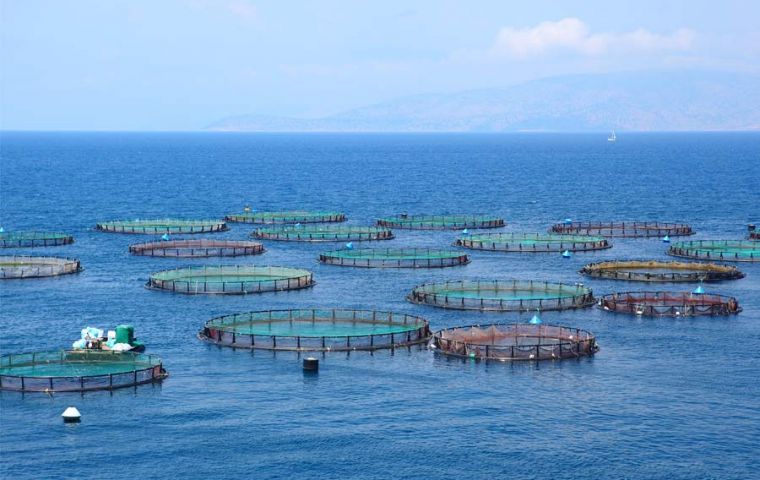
{"x":125,"y":334}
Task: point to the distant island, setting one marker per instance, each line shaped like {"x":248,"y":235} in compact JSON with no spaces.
{"x":633,"y":101}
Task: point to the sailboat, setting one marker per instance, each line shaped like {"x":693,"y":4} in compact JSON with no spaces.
{"x":612,"y":137}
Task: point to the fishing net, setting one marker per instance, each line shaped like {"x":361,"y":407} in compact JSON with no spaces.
{"x":623,"y":229}
{"x":657,"y":271}
{"x":532,"y":242}
{"x":322,"y":234}
{"x":394,"y":258}
{"x":440,"y":222}
{"x":197,"y":248}
{"x":669,"y":304}
{"x":22,"y":266}
{"x":158,"y":227}
{"x":230,"y":279}
{"x":286,"y":217}
{"x":34,"y":239}
{"x":722,"y":250}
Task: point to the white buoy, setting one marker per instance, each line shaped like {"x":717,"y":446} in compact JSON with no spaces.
{"x":465,"y":231}
{"x":2,"y":230}
{"x":349,"y":245}
{"x":568,"y":221}
{"x":71,"y":415}
{"x":165,"y":237}
{"x":699,"y":290}
{"x":536,"y":320}
{"x":666,"y":239}
{"x":567,"y":254}
{"x":298,"y":225}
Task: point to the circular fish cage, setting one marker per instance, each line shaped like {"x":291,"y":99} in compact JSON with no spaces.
{"x":514,"y":342}
{"x":531,"y":242}
{"x":669,"y":304}
{"x":657,"y":271}
{"x":33,"y":239}
{"x":440,"y":222}
{"x":197,"y":248}
{"x":157,"y":227}
{"x":78,"y":370}
{"x":316,"y":330}
{"x":395,"y":258}
{"x":286,"y":217}
{"x":722,"y":250}
{"x":24,"y":266}
{"x":230,"y":279}
{"x":502,"y":295}
{"x":322,"y":234}
{"x":623,"y":229}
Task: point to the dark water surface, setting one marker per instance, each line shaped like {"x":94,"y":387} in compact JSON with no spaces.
{"x":664,"y":398}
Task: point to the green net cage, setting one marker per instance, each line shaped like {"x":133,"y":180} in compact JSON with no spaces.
{"x":531,"y":242}
{"x":502,"y":295}
{"x":78,"y":370}
{"x":286,"y":217}
{"x":317,"y":330}
{"x":669,"y":304}
{"x":33,"y":239}
{"x":623,"y":229}
{"x":197,"y":248}
{"x":658,"y":271}
{"x":24,"y":266}
{"x":230,"y":279}
{"x":440,"y":222}
{"x":158,"y":227}
{"x":322,"y":233}
{"x":721,"y":250}
{"x":514,"y":342}
{"x":394,"y":258}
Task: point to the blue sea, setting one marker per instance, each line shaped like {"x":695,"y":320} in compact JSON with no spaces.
{"x":663,"y":398}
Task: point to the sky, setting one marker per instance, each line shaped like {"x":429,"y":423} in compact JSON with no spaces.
{"x":167,"y":65}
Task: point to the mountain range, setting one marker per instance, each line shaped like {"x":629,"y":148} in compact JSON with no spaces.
{"x":631,"y":101}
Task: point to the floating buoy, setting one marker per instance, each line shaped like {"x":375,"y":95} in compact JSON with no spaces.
{"x":699,"y":290}
{"x":246,"y":209}
{"x":567,"y":254}
{"x":666,"y":239}
{"x":472,"y":354}
{"x":349,"y":245}
{"x":2,"y":230}
{"x":71,"y":415}
{"x":536,"y":320}
{"x":465,"y":231}
{"x":310,"y":364}
{"x":165,"y":237}
{"x":297,"y":225}
{"x":568,"y":221}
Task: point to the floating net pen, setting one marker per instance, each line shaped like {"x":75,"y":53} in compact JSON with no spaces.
{"x":502,"y":295}
{"x":669,"y":304}
{"x":158,"y":227}
{"x":78,"y":370}
{"x":322,"y":234}
{"x":657,"y":271}
{"x":316,"y":330}
{"x":23,"y":266}
{"x":230,"y":279}
{"x":514,"y":342}
{"x":394,"y":258}
{"x":623,"y":229}
{"x":531,"y":242}
{"x":33,"y":239}
{"x":440,"y":222}
{"x":197,"y":248}
{"x":286,"y":217}
{"x":721,"y":250}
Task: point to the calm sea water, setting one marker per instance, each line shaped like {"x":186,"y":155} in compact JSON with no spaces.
{"x":664,"y":398}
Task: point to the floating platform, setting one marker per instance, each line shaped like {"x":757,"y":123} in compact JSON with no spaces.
{"x":24,"y":266}
{"x":34,"y":239}
{"x":395,"y":258}
{"x":669,"y":304}
{"x":230,"y":279}
{"x":317,"y":330}
{"x":157,"y":227}
{"x":440,"y":222}
{"x":286,"y":217}
{"x":78,"y":371}
{"x":721,"y":250}
{"x":532,"y":242}
{"x":502,"y":295}
{"x":322,"y":233}
{"x":623,"y":229}
{"x":658,"y":271}
{"x":197,"y":248}
{"x":514,"y":342}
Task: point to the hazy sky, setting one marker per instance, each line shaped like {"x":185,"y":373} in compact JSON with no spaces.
{"x":179,"y":65}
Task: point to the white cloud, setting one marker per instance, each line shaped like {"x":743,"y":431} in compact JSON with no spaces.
{"x":572,"y":35}
{"x":242,"y":9}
